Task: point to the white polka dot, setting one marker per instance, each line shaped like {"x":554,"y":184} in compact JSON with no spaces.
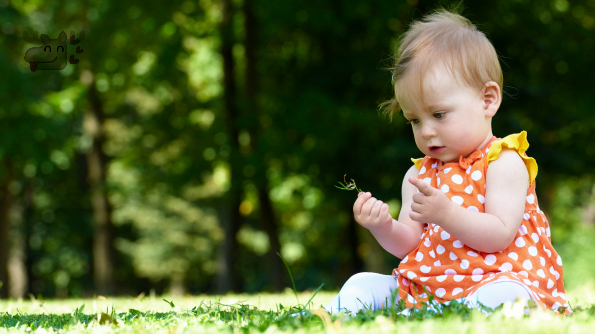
{"x":505,"y":267}
{"x":542,"y":261}
{"x":457,"y":199}
{"x":533,"y":251}
{"x":411,"y":275}
{"x":559,"y":260}
{"x":446,"y":170}
{"x":419,"y":256}
{"x":450,"y":272}
{"x":490,"y":259}
{"x":524,"y":273}
{"x":476,"y":278}
{"x":472,"y":253}
{"x":440,"y":293}
{"x":457,"y":179}
{"x":464,"y":264}
{"x":434,"y":165}
{"x":440,"y":249}
{"x":468,"y":170}
{"x":535,"y":237}
{"x":528,"y":282}
{"x":481,"y":199}
{"x":472,"y":208}
{"x":432,"y":254}
{"x":523,"y":229}
{"x":422,"y":170}
{"x":405,"y":259}
{"x":456,"y":291}
{"x":519,"y":242}
{"x":457,"y":244}
{"x":549,"y":253}
{"x":540,"y":273}
{"x":444,"y":235}
{"x":453,"y":256}
{"x":547,"y":232}
{"x":528,"y":265}
{"x":445,"y":188}
{"x":513,"y":256}
{"x":427,"y":242}
{"x":405,"y":281}
{"x":469,"y":189}
{"x":476,"y":175}
{"x":550,"y":283}
{"x":411,"y":299}
{"x":441,"y":278}
{"x":436,"y":228}
{"x":438,"y":180}
{"x":428,"y":180}
{"x":437,"y":263}
{"x":425,"y":269}
{"x":478,"y":271}
{"x":531,"y":199}
{"x":423,"y":279}
{"x":526,"y":216}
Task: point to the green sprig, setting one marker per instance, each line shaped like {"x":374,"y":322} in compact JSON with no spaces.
{"x":348,"y":185}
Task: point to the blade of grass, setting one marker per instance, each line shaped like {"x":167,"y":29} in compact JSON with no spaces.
{"x":290,"y":276}
{"x":315,"y":292}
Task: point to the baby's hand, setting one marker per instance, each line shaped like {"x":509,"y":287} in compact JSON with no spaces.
{"x":370,"y":212}
{"x":430,"y":205}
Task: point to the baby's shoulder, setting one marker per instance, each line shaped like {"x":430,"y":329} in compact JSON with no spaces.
{"x":509,"y":164}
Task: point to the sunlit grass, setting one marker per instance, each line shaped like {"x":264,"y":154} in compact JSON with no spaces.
{"x":271,"y":313}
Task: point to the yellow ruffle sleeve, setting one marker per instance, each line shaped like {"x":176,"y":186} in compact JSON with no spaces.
{"x":517,"y":142}
{"x":417,"y":162}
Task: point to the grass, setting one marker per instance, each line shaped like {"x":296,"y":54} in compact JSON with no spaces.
{"x":269,"y":313}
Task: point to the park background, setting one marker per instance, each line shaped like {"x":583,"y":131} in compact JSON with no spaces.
{"x":196,"y":139}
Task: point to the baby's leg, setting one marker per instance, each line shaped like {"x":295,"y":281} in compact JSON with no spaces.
{"x":497,"y":293}
{"x":363,"y":290}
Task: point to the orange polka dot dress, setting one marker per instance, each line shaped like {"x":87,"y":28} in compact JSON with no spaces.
{"x":449,"y":269}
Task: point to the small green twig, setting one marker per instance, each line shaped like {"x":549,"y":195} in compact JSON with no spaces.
{"x":348,"y":185}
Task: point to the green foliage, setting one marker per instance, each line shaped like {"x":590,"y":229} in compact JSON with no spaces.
{"x":159,"y":74}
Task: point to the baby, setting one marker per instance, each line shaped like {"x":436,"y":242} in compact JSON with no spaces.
{"x":470,"y":227}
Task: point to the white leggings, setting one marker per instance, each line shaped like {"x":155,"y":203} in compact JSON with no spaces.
{"x":372,"y":291}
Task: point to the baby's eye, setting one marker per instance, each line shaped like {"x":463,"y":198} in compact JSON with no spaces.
{"x":413,"y":121}
{"x":438,"y":114}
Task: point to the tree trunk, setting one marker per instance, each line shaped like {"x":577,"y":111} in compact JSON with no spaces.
{"x":103,"y":253}
{"x":267,"y":214}
{"x":17,"y":253}
{"x":5,"y":203}
{"x":227,"y":277}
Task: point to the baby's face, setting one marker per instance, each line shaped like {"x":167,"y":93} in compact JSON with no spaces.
{"x":454,"y":121}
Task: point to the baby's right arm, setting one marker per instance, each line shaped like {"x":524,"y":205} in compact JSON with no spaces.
{"x":397,"y":237}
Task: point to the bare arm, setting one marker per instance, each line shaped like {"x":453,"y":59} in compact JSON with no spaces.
{"x":507,"y":181}
{"x":397,"y":237}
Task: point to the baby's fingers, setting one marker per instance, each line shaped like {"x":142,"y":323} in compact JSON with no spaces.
{"x":376,"y":209}
{"x":359,"y":202}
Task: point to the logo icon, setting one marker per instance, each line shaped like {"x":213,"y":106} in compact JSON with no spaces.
{"x":53,"y":53}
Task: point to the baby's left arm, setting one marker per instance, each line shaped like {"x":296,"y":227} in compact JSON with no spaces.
{"x":507,"y":181}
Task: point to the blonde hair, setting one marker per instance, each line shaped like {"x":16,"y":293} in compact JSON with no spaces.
{"x":446,"y":39}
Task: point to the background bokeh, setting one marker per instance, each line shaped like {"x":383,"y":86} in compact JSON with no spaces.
{"x":195,"y":139}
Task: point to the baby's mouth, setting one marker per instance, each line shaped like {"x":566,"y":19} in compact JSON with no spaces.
{"x":436,"y":149}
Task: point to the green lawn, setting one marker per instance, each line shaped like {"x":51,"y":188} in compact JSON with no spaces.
{"x":269,"y":313}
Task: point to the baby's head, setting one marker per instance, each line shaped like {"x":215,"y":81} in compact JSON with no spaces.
{"x":441,"y":40}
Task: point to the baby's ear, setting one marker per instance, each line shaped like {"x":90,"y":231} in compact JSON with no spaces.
{"x":492,"y":98}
